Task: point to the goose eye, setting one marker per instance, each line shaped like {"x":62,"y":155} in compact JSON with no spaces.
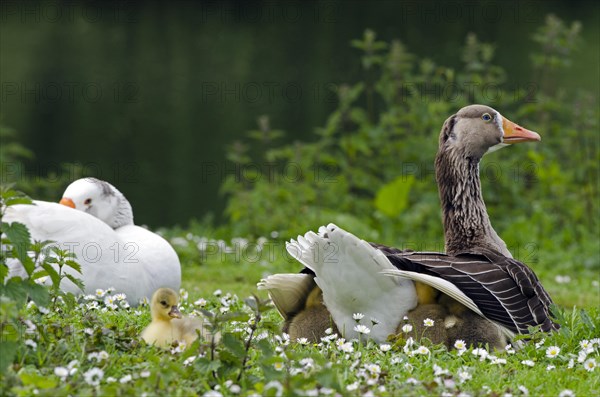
{"x":164,"y":303}
{"x":486,"y":117}
{"x":88,"y":201}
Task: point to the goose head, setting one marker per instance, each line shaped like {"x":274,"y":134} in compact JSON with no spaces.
{"x":477,"y":129}
{"x":164,"y":305}
{"x":99,"y":199}
{"x":465,"y":138}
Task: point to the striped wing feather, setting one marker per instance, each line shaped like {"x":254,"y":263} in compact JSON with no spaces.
{"x":505,"y":290}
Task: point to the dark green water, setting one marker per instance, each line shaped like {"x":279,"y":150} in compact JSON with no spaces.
{"x":147,"y":95}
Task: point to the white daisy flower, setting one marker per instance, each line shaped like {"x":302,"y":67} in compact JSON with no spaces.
{"x":581,"y":356}
{"x":529,"y":363}
{"x":100,"y":293}
{"x":422,"y":350}
{"x":218,"y":292}
{"x":406,"y":328}
{"x":302,"y":341}
{"x":145,"y":374}
{"x":181,"y":345}
{"x":464,"y":375}
{"x":352,"y":386}
{"x":188,"y":361}
{"x":93,"y":376}
{"x":460,"y":344}
{"x":428,"y":322}
{"x":183,"y":294}
{"x":571,"y":364}
{"x":328,"y":331}
{"x":125,"y":379}
{"x":61,"y":372}
{"x":374,"y":321}
{"x":200,"y":302}
{"x":540,"y":343}
{"x":550,"y":367}
{"x":437,"y":370}
{"x":552,"y":351}
{"x":120,"y":296}
{"x":482,"y":353}
{"x":589,"y":364}
{"x":373,"y":368}
{"x":562,"y":279}
{"x":110,"y":379}
{"x":495,"y":360}
{"x":31,"y":343}
{"x":346,"y":347}
{"x":524,"y":390}
{"x":278,"y":366}
{"x":362,"y":329}
{"x":385,"y":347}
{"x":358,"y":316}
{"x":566,"y":393}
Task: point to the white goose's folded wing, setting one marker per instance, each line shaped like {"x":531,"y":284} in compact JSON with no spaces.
{"x":503,"y":289}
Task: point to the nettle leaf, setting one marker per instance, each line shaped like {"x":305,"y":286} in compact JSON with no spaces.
{"x":39,"y":381}
{"x":74,"y":265}
{"x":265,"y":347}
{"x":78,"y":282}
{"x":392,"y":198}
{"x":15,"y":290}
{"x":3,"y":272}
{"x":204,"y":365}
{"x":9,"y":350}
{"x":38,"y":293}
{"x":18,"y":200}
{"x":235,"y":316}
{"x":19,"y":236}
{"x":234,"y":345}
{"x":51,"y":272}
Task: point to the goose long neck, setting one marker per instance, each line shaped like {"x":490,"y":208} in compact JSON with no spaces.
{"x":466,"y":222}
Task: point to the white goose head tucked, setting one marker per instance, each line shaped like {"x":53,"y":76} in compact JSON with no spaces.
{"x":99,"y":199}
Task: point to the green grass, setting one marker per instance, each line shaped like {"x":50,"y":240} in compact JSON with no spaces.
{"x":133,"y":368}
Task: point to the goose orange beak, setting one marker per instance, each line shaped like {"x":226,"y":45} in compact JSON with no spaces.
{"x":67,"y":201}
{"x":514,"y":133}
{"x":175,"y":313}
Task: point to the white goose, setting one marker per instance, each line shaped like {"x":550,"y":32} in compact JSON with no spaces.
{"x":111,"y":250}
{"x":480,"y":274}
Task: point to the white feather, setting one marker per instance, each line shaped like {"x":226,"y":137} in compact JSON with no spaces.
{"x":349,"y":272}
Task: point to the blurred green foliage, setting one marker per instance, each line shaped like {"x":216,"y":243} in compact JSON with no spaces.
{"x":370,"y":167}
{"x":13,"y":156}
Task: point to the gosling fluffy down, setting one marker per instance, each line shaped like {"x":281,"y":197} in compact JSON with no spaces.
{"x":168,"y":325}
{"x":312,"y":322}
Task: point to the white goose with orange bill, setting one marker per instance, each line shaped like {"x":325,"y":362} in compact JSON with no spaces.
{"x":95,"y":222}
